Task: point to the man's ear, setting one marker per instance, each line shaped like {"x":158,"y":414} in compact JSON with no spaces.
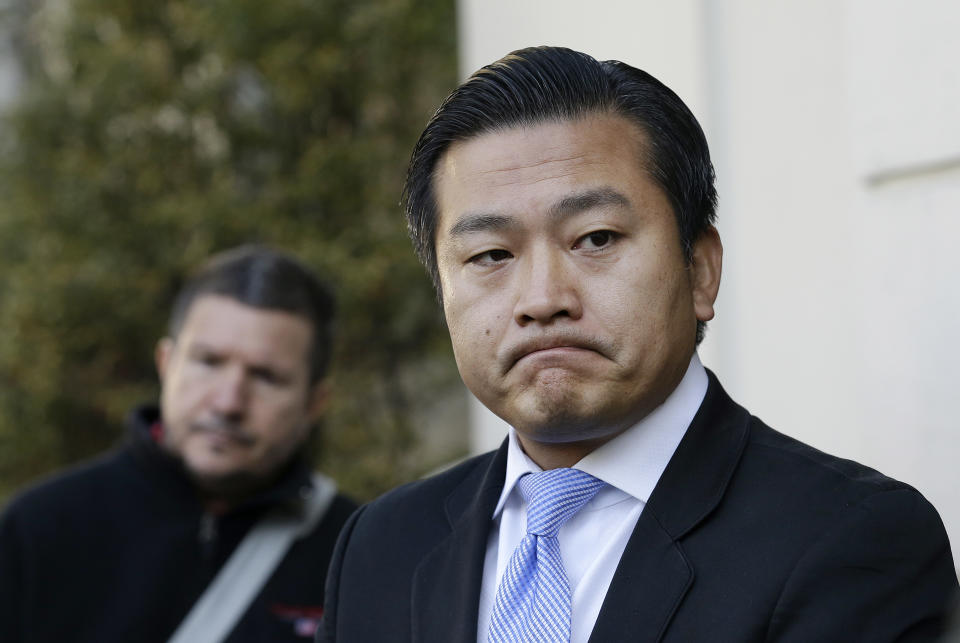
{"x":706,"y":264}
{"x":161,"y":355}
{"x":317,"y":402}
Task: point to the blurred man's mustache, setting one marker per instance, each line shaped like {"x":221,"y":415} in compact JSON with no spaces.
{"x":223,"y":426}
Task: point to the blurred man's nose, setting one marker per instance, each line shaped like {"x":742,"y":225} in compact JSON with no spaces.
{"x":230,"y":394}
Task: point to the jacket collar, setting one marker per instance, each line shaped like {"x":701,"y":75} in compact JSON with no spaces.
{"x":168,"y":473}
{"x":654,"y":574}
{"x":450,"y":576}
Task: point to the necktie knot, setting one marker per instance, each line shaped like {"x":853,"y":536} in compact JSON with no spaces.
{"x":554,"y":496}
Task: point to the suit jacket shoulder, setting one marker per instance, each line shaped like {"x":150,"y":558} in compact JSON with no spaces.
{"x":415,"y":555}
{"x":751,"y":535}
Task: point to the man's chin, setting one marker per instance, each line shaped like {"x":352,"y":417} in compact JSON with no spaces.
{"x":554,"y":408}
{"x":556,"y":416}
{"x":559,"y":425}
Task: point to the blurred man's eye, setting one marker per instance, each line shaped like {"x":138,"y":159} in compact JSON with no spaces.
{"x":207,"y":359}
{"x":269,"y":376}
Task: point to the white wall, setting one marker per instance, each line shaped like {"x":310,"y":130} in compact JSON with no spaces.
{"x":835,"y":133}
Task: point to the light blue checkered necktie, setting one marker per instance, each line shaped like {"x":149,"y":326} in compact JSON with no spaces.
{"x":533,"y":600}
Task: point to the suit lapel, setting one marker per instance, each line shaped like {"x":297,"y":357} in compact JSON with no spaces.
{"x":446,"y":585}
{"x":650,"y":581}
{"x":654,"y":575}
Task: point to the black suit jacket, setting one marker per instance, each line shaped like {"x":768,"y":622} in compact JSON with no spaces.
{"x":748,"y":536}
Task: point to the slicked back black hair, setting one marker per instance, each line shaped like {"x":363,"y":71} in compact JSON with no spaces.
{"x":542,"y":84}
{"x":262,"y":277}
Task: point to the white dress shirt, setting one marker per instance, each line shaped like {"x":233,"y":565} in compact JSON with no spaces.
{"x":593,"y":540}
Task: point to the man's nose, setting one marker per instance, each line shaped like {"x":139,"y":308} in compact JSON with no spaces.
{"x":230,"y":392}
{"x":547,"y":288}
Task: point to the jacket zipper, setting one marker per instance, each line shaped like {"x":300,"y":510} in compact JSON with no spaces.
{"x":207,"y":537}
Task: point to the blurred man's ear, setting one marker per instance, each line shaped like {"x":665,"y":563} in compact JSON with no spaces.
{"x":161,"y":355}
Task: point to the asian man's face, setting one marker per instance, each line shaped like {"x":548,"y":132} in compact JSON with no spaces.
{"x":571,"y":307}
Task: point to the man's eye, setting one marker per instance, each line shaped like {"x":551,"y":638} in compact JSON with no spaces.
{"x":208,"y":359}
{"x":490,"y":257}
{"x":267,"y":376}
{"x":595,"y":240}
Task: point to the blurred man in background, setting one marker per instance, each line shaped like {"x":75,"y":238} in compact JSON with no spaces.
{"x":208,"y":524}
{"x":564,"y":208}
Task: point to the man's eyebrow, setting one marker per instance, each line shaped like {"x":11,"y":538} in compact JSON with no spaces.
{"x":577,"y":203}
{"x":565,"y":207}
{"x":201,"y":346}
{"x":469,"y":223}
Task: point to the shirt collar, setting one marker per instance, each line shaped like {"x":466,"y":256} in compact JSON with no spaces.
{"x":634,"y":460}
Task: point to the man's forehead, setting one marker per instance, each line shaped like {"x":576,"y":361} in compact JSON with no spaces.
{"x":212,"y":303}
{"x":221,"y":317}
{"x":593,"y":148}
{"x":500,"y":152}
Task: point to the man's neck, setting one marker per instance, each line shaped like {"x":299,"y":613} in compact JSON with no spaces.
{"x":559,"y":455}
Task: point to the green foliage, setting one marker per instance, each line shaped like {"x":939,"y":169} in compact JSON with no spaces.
{"x":148,"y":135}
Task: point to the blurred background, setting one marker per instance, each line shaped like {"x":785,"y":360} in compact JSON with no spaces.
{"x":140,"y":137}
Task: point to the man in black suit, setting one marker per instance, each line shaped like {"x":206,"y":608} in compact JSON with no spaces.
{"x":564,"y":208}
